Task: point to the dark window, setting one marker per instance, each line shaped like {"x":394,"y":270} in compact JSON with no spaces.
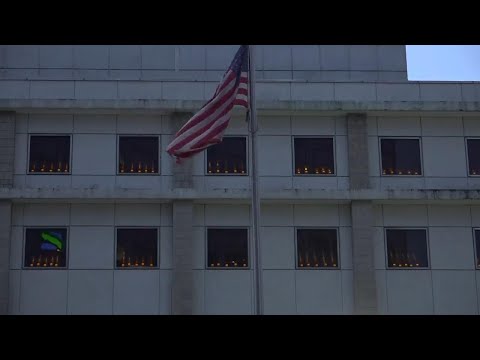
{"x":317,"y":248}
{"x":137,"y":248}
{"x":138,"y":155}
{"x":228,"y":157}
{"x":45,"y":248}
{"x":314,"y":156}
{"x":477,"y":247}
{"x":49,"y":154}
{"x":227,"y":248}
{"x":407,"y":248}
{"x":473,"y":146}
{"x":401,"y":157}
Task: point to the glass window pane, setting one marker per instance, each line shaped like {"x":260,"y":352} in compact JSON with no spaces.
{"x":314,"y":156}
{"x":137,"y":248}
{"x":228,"y":157}
{"x":407,"y":248}
{"x":45,"y":248}
{"x":138,"y":155}
{"x":401,"y":157}
{"x":317,"y":248}
{"x":227,"y":248}
{"x":473,"y":146}
{"x":49,"y":154}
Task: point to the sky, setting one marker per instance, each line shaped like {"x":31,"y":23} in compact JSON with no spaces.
{"x":443,"y":62}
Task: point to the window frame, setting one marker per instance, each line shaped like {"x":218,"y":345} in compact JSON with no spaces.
{"x":334,"y":145}
{"x":427,"y":241}
{"x":467,"y":156}
{"x":67,"y":252}
{"x":70,"y":155}
{"x":117,"y":157}
{"x":247,"y":157}
{"x":249,"y":262}
{"x":157,"y":267}
{"x":476,"y":259}
{"x":420,"y":148}
{"x":339,"y":262}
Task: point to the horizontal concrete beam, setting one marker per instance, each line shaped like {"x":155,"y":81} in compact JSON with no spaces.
{"x":221,"y":195}
{"x":151,"y":92}
{"x":162,"y":107}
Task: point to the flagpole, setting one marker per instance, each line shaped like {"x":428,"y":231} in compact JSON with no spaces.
{"x":255,"y":208}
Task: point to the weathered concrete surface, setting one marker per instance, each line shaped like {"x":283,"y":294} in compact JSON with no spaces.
{"x":27,"y":194}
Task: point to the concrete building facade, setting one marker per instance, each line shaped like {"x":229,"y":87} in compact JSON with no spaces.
{"x":355,"y":96}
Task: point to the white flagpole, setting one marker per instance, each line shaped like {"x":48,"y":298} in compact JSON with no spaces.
{"x":255,"y":208}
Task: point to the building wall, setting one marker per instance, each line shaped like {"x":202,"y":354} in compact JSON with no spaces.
{"x":91,"y":285}
{"x":443,"y":151}
{"x":451,"y":284}
{"x":198,"y":63}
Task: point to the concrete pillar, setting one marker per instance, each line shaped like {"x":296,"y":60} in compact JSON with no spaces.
{"x":183,"y":289}
{"x":364,"y":284}
{"x":5,"y":226}
{"x":358,"y":151}
{"x":182,"y":284}
{"x":7,"y":148}
{"x":182,"y":173}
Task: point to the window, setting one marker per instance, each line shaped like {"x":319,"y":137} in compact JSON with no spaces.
{"x":137,"y":248}
{"x":477,"y":247}
{"x":473,"y":146}
{"x":228,"y":157}
{"x":49,"y":154}
{"x":45,"y":248}
{"x":314,"y":156}
{"x":317,"y":248}
{"x":407,"y":248}
{"x":227,"y":248}
{"x":138,"y":155}
{"x":401,"y":157}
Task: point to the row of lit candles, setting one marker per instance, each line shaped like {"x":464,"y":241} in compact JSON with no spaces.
{"x":53,"y":167}
{"x":137,"y":167}
{"x":317,"y":265}
{"x":237,"y":168}
{"x":137,"y":261}
{"x":305,"y":260}
{"x":50,"y":261}
{"x":399,"y":172}
{"x":229,"y":264}
{"x":403,"y":260}
{"x":307,"y":170}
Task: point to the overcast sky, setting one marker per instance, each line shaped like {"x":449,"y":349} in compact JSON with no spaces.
{"x":444,"y":62}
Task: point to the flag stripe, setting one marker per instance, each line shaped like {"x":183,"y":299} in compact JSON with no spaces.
{"x":208,"y":125}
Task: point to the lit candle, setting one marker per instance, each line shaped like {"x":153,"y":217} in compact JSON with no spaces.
{"x":34,"y":166}
{"x":59,"y":166}
{"x":51,"y":167}
{"x":384,"y":172}
{"x":139,"y":167}
{"x":299,"y":171}
{"x":324,"y":171}
{"x":305,"y":170}
{"x":43,"y":167}
{"x":217,"y":169}
{"x":409,"y":172}
{"x":209,"y":167}
{"x":415,"y":173}
{"x":317,"y":171}
{"x":143,"y":261}
{"x":39,"y":260}
{"x":32,"y":262}
{"x":153,"y":168}
{"x":66,"y":167}
{"x":146,"y":168}
{"x":225,"y":169}
{"x":129,"y":263}
{"x":330,"y":171}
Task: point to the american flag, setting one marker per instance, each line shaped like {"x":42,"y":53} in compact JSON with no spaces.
{"x":208,"y":126}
